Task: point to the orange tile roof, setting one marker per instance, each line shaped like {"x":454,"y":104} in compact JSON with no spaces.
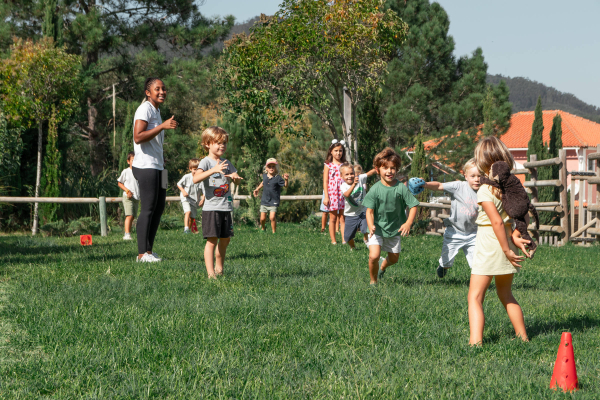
{"x":576,"y":131}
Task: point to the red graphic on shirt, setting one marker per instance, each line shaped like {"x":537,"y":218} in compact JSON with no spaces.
{"x":220,"y":192}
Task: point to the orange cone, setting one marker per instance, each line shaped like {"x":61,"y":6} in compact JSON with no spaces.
{"x":85,"y":240}
{"x":565,"y":373}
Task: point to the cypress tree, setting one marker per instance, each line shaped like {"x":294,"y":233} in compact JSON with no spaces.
{"x":555,"y":146}
{"x":52,"y":173}
{"x":536,"y":142}
{"x":418,"y":169}
{"x":52,"y":23}
{"x":126,"y":138}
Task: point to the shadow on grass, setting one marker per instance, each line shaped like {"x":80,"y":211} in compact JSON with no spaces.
{"x":246,"y":256}
{"x":15,"y":249}
{"x":572,"y":324}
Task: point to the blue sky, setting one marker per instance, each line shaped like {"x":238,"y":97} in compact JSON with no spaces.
{"x":553,"y":42}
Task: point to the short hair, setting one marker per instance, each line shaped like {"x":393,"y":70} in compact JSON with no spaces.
{"x":130,"y":154}
{"x":214,"y":134}
{"x":193,"y":163}
{"x":358,"y":169}
{"x":344,"y":166}
{"x":488,"y":151}
{"x":468,"y":165}
{"x":387,"y":156}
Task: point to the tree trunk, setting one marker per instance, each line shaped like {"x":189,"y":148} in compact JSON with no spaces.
{"x":38,"y":179}
{"x":355,"y":134}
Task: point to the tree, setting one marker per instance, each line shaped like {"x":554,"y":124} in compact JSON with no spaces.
{"x":38,"y":78}
{"x":536,"y":142}
{"x":52,"y":167}
{"x":304,"y":56}
{"x":555,"y":146}
{"x":429,"y":89}
{"x":52,"y":23}
{"x":418,"y":169}
{"x":11,"y":147}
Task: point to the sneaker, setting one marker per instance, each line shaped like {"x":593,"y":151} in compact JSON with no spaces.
{"x":381,"y":271}
{"x":127,"y":236}
{"x":441,"y":271}
{"x":156,"y":256}
{"x":186,"y":231}
{"x":147,"y":258}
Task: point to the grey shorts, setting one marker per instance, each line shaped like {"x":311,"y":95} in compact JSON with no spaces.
{"x":217,"y":224}
{"x":268,"y":208}
{"x":192,"y":208}
{"x":353,"y":224}
{"x":130,"y":206}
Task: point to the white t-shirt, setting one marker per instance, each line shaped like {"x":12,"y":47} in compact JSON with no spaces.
{"x":129,"y":181}
{"x":149,"y":155}
{"x":353,"y":205}
{"x":194,"y":190}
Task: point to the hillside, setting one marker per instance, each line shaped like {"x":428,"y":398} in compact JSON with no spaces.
{"x":524,"y":94}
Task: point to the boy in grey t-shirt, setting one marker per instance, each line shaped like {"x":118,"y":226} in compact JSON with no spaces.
{"x":216,"y":173}
{"x":460,"y":226}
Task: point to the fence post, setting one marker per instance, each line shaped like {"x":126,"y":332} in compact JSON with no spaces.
{"x":564,"y":219}
{"x":597,"y":214}
{"x":102,"y":208}
{"x":534,"y":191}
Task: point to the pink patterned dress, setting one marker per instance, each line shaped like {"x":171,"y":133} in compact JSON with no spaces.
{"x":336,"y":197}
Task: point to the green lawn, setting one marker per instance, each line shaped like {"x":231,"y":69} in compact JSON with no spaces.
{"x":294,"y":317}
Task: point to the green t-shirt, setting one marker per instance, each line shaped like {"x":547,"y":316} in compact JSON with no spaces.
{"x":389,"y":204}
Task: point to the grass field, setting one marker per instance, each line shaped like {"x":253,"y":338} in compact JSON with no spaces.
{"x":294,"y":317}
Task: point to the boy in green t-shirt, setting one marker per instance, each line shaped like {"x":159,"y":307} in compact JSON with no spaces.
{"x":386,"y":203}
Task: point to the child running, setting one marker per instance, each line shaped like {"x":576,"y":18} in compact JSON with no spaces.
{"x":333,"y":199}
{"x":131,"y":195}
{"x":460,"y":226}
{"x":215,"y":173}
{"x":190,"y":192}
{"x":354,"y":189}
{"x":386,"y":203}
{"x":495,"y":255}
{"x":272,"y":185}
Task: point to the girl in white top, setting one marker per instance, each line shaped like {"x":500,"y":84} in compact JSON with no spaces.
{"x":148,"y":164}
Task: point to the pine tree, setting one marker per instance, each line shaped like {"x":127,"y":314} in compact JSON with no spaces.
{"x":536,"y":142}
{"x":488,"y":118}
{"x":52,"y":170}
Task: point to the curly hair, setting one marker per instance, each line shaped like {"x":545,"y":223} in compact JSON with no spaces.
{"x":385,"y":157}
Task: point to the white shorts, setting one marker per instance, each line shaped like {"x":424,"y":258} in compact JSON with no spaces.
{"x":389,"y":245}
{"x":192,"y":208}
{"x":453,"y":242}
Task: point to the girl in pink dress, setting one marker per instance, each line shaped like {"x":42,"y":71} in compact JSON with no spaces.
{"x":333,"y":198}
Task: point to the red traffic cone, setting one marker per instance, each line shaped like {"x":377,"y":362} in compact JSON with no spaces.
{"x":564,"y":375}
{"x":85,"y":240}
{"x":194,"y":227}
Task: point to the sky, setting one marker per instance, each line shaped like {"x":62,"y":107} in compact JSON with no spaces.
{"x":556,"y":43}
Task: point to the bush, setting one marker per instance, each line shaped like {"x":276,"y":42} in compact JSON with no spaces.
{"x":81,"y":226}
{"x":313,"y":223}
{"x":170,"y":222}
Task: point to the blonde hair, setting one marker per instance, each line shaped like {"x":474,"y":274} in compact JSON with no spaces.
{"x":358,"y":169}
{"x":272,"y":161}
{"x":193,"y":163}
{"x":345,"y":165}
{"x":214,"y":134}
{"x":468,"y":165}
{"x":488,"y":151}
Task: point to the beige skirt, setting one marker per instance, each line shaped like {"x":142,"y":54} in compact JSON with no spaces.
{"x":489,"y":259}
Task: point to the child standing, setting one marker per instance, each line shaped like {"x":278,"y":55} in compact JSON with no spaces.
{"x":354,"y":188}
{"x":190,"y":192}
{"x":333,"y":199}
{"x":495,"y":255}
{"x":131,"y":195}
{"x":272,"y":185}
{"x":461,"y":229}
{"x":386,"y":203}
{"x":216,"y":173}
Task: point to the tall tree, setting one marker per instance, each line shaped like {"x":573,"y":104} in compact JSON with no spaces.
{"x":428,"y":88}
{"x":306,"y":54}
{"x":52,"y":169}
{"x":556,"y":145}
{"x":11,"y":148}
{"x":536,"y":142}
{"x":418,"y":169}
{"x":52,"y":23}
{"x":39,"y":77}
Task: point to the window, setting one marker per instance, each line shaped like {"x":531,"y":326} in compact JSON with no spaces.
{"x":591,"y":165}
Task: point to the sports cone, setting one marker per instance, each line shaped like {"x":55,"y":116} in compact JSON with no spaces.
{"x":194,"y":227}
{"x":85,"y":240}
{"x":565,"y":373}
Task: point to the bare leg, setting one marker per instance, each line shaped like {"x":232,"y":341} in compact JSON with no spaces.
{"x":351,"y":244}
{"x":186,"y":220}
{"x":128,"y":222}
{"x":263,"y":221}
{"x":273,"y":217}
{"x":391,"y":259}
{"x":476,"y":296}
{"x":323,"y":221}
{"x":209,"y":256}
{"x":220,"y":255}
{"x":332,"y":224}
{"x":342,"y":222}
{"x":513,"y":309}
{"x":374,"y":253}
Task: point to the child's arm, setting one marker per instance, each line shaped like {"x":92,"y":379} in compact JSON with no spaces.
{"x":183,"y":192}
{"x":286,"y":178}
{"x":255,"y":192}
{"x":433,"y":185}
{"x":371,"y":221}
{"x":123,"y":188}
{"x":325,"y":186}
{"x":519,"y":241}
{"x":235,"y":178}
{"x":405,"y":228}
{"x":371,"y":172}
{"x":498,"y":226}
{"x":201,"y":202}
{"x":348,"y":192}
{"x":201,"y":175}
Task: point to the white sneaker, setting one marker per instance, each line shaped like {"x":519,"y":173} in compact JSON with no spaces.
{"x":127,"y":236}
{"x":147,"y":258}
{"x":156,"y":256}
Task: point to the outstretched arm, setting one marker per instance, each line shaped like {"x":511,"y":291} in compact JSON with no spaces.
{"x":433,"y":185}
{"x":255,"y":192}
{"x":372,"y":172}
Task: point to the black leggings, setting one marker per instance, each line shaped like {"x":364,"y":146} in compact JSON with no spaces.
{"x":153,"y":198}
